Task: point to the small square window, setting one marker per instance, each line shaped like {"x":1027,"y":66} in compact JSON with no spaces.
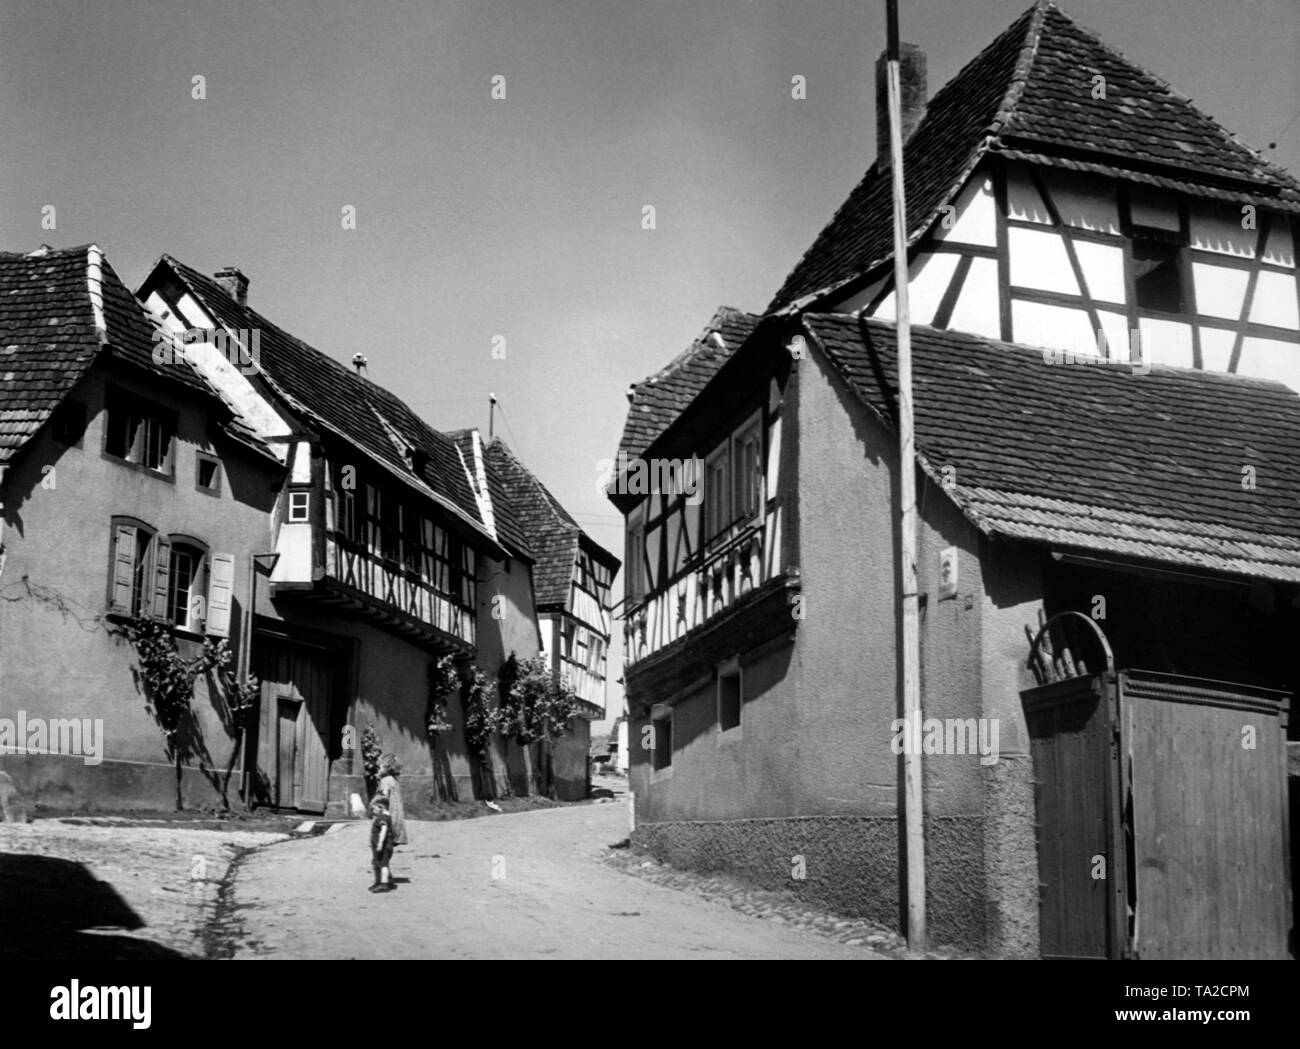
{"x":298,"y":504}
{"x":729,"y":698}
{"x":661,"y":755}
{"x":208,"y":475}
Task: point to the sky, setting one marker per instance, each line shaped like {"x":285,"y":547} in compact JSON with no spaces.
{"x":518,"y":217}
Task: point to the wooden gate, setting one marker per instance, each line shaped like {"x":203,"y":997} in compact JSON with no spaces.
{"x":1207,"y":771}
{"x":1162,"y":816}
{"x":298,"y":685}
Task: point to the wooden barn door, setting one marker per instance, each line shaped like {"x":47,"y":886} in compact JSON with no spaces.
{"x":298,"y":684}
{"x":1207,"y":768}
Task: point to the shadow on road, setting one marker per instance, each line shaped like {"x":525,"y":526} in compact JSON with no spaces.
{"x":46,"y":904}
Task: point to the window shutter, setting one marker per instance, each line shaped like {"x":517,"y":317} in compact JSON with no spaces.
{"x":162,"y":566}
{"x":123,"y":570}
{"x":221,"y":581}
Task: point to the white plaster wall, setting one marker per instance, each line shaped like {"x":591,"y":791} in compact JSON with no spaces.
{"x":1038,"y":260}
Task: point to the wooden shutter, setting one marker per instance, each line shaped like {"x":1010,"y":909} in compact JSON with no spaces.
{"x":221,"y":583}
{"x":162,"y":563}
{"x":123,"y":577}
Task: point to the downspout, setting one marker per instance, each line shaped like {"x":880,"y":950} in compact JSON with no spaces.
{"x":245,"y":661}
{"x":913,"y":803}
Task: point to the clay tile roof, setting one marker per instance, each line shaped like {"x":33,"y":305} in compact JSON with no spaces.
{"x":553,"y":535}
{"x":59,"y":308}
{"x":371,"y":418}
{"x":659,"y":399}
{"x":1029,"y":96}
{"x":1093,"y":457}
{"x":509,"y":529}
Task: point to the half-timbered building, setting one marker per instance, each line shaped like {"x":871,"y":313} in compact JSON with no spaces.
{"x":574,"y":578}
{"x":1135,"y":494}
{"x":379,"y":560}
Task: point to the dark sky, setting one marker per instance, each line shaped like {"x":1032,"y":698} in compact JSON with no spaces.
{"x":518,"y":217}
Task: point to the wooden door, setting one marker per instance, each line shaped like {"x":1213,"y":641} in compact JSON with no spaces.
{"x":298,"y":688}
{"x":286,"y":766}
{"x":1081,"y":858}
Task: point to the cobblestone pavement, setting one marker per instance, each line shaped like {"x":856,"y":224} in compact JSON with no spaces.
{"x":524,"y":885}
{"x":112,"y":889}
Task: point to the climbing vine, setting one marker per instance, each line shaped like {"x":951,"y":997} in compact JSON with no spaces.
{"x":167,"y":679}
{"x":371,"y":754}
{"x":482,"y":722}
{"x":444,"y":678}
{"x":536,"y":707}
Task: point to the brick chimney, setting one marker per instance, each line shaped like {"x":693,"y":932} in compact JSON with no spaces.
{"x":234,"y":282}
{"x":911,"y":79}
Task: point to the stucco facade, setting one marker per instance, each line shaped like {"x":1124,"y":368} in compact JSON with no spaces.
{"x":58,"y":658}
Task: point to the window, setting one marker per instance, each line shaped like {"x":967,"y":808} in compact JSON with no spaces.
{"x":348,"y":515}
{"x":151,"y":576}
{"x":138,"y":433}
{"x":389,"y":528}
{"x":1157,"y":270}
{"x":299,"y":506}
{"x":430,"y":537}
{"x":747,"y":461}
{"x":468,"y":582}
{"x":131,"y":568}
{"x":412,"y":554}
{"x":636,"y":556}
{"x":207,"y":473}
{"x":371,"y":523}
{"x":730,"y":693}
{"x":717,"y":493}
{"x":596,"y":654}
{"x":68,"y":422}
{"x":661,"y":756}
{"x":186,"y":589}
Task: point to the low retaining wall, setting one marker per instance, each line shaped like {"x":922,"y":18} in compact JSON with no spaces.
{"x":849,"y":865}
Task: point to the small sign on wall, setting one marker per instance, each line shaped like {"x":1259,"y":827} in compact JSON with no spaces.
{"x":947,"y":572}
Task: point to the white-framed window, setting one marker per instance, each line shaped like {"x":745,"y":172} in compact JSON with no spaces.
{"x":299,"y":506}
{"x":731,"y":695}
{"x":747,"y":469}
{"x":187,"y":586}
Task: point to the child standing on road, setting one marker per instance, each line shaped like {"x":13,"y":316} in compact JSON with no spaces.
{"x":381,"y":843}
{"x":391,"y":788}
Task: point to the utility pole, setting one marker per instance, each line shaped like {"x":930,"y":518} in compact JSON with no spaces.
{"x":492,"y":413}
{"x":913,"y":802}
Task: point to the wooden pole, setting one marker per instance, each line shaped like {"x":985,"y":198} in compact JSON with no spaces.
{"x":913,"y":804}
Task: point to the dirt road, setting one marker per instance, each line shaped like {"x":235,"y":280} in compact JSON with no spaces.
{"x":526,"y":885}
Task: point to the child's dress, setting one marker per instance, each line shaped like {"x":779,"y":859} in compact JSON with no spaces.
{"x":391,"y":789}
